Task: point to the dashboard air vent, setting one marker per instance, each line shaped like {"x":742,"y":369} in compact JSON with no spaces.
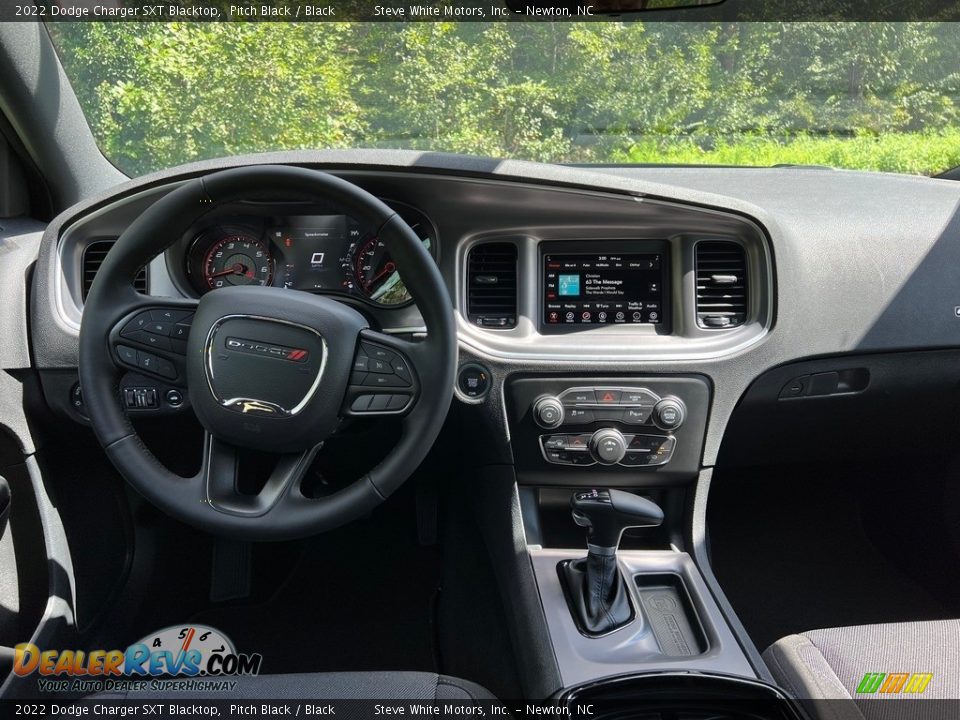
{"x":93,"y":256}
{"x":721,"y":284}
{"x":492,"y":285}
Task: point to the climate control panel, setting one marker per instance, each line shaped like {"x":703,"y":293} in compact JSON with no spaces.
{"x":627,"y":430}
{"x":607,"y":446}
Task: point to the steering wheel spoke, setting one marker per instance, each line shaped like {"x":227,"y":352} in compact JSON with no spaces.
{"x":151,"y":338}
{"x":384,"y":380}
{"x":220,"y":475}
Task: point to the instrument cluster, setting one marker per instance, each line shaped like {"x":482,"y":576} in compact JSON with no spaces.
{"x":322,"y":253}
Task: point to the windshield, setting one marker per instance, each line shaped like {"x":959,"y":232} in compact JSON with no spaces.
{"x":873,"y":96}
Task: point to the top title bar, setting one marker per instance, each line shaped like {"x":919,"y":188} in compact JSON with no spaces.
{"x":477,"y":10}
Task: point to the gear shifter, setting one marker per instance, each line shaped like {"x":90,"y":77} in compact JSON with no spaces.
{"x":596,"y":589}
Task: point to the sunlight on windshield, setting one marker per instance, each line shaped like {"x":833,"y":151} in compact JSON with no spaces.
{"x":877,"y":96}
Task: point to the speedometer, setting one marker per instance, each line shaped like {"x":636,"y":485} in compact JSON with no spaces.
{"x":237,"y":260}
{"x":373,"y":269}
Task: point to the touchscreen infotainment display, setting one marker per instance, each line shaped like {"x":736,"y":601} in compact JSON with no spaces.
{"x":602,"y":289}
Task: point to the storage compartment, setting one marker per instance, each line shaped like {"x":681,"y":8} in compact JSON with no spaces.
{"x":687,"y":695}
{"x":666,"y":604}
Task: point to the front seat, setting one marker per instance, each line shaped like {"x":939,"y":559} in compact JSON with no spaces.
{"x":867,"y":663}
{"x":330,"y":686}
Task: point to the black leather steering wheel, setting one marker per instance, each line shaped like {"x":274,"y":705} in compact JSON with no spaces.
{"x":266,"y":368}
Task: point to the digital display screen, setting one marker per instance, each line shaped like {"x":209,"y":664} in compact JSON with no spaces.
{"x":603,"y":289}
{"x":311,"y":251}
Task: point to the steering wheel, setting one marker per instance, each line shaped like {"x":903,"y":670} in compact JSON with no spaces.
{"x":272,"y":369}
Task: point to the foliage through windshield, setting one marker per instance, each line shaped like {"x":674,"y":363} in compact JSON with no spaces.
{"x":876,"y":96}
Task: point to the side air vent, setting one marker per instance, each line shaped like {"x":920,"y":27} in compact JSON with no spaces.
{"x":721,"y":284}
{"x":93,"y":256}
{"x":492,"y":285}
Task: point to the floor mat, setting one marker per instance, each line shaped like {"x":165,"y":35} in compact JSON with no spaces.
{"x":789,"y":548}
{"x":360,"y":598}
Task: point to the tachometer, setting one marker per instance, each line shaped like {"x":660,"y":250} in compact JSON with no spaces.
{"x":237,"y":260}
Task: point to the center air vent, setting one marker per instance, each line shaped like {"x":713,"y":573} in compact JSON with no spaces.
{"x":93,"y":256}
{"x":492,"y":285}
{"x":721,"y":284}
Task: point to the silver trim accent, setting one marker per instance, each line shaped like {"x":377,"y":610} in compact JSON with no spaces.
{"x":230,"y":402}
{"x":64,"y":287}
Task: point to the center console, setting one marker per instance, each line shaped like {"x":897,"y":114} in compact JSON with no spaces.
{"x":612,"y":457}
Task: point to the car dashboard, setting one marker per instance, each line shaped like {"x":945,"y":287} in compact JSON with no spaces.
{"x":602,"y":274}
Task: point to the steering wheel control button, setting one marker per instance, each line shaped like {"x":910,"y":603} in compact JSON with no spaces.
{"x":158,"y":328}
{"x":376,"y":352}
{"x":548,"y":412}
{"x":400,"y":369}
{"x":381,"y":367}
{"x":174,"y":398}
{"x":473,"y":380}
{"x":127,"y":355}
{"x":138,"y":323}
{"x":378,"y":380}
{"x":166,"y":369}
{"x":398,"y":402}
{"x":379,"y":403}
{"x":669,"y":413}
{"x":142,"y":337}
{"x":361,"y":403}
{"x":376,"y":366}
{"x":146,"y":361}
{"x":169,"y":315}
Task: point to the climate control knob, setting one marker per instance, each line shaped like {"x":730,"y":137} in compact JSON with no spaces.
{"x":669,"y":413}
{"x":608,"y":446}
{"x":548,"y":412}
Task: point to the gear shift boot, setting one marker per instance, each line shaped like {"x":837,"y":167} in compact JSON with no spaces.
{"x":596,"y":591}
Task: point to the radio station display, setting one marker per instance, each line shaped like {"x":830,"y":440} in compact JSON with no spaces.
{"x":603,"y":289}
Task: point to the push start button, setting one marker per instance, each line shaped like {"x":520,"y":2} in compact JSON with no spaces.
{"x":473,"y":381}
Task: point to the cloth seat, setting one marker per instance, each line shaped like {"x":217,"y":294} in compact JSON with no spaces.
{"x":833,"y":664}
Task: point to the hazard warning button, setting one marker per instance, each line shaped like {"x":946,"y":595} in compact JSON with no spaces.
{"x":606,"y":396}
